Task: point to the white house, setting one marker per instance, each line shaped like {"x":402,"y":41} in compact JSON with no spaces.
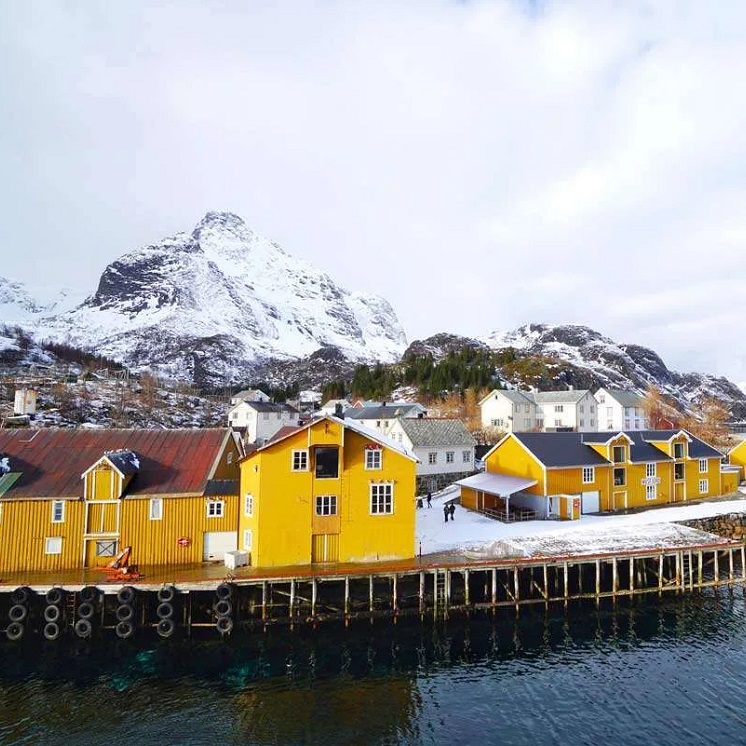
{"x":249,"y":395}
{"x":621,"y":410}
{"x":261,"y":420}
{"x":444,"y":447}
{"x":509,"y":411}
{"x":381,"y":417}
{"x":546,"y":411}
{"x":334,"y":406}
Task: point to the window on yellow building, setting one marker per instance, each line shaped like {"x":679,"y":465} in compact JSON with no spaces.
{"x":53,"y":545}
{"x":381,"y":499}
{"x":589,"y":475}
{"x":326,"y":505}
{"x":106,"y":548}
{"x":248,"y":504}
{"x":327,"y":463}
{"x":373,"y":457}
{"x":679,"y":450}
{"x":156,"y":509}
{"x":678,"y":472}
{"x":58,"y":511}
{"x":215,"y":508}
{"x":704,"y":486}
{"x":620,"y":477}
{"x":619,"y":455}
{"x":703,"y":466}
{"x":300,"y":461}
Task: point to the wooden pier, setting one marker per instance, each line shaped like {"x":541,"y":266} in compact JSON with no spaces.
{"x":226,"y":605}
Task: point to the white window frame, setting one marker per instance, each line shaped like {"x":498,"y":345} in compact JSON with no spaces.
{"x":248,"y":539}
{"x":450,"y":457}
{"x":53,"y":545}
{"x":299,"y":460}
{"x":61,"y":505}
{"x":682,"y":478}
{"x":701,"y":462}
{"x":466,"y":457}
{"x":382,"y":498}
{"x":683,"y":450}
{"x":558,"y":423}
{"x":155,"y":514}
{"x":589,"y":474}
{"x":432,"y":458}
{"x":248,"y":504}
{"x":215,"y":508}
{"x":374,"y":458}
{"x":623,"y":459}
{"x":325,"y":505}
{"x":704,"y":486}
{"x":651,"y":469}
{"x":651,"y":492}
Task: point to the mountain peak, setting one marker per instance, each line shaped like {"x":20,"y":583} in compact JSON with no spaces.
{"x":224,"y":222}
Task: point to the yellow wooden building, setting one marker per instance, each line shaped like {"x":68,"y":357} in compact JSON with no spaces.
{"x":75,"y":498}
{"x":607,"y":471}
{"x":737,"y":457}
{"x":330,"y":491}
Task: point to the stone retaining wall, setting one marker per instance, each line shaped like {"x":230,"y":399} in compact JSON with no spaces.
{"x":729,"y":525}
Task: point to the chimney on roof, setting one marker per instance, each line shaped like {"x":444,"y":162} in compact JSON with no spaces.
{"x":339,"y":411}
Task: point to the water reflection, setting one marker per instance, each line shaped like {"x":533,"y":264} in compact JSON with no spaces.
{"x":588,"y":668}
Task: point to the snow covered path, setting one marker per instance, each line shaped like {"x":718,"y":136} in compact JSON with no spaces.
{"x":472,"y":532}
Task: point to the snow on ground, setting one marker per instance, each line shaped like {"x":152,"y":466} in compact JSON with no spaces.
{"x":476,"y":535}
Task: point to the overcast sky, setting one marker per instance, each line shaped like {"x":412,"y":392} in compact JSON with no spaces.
{"x":479,"y":164}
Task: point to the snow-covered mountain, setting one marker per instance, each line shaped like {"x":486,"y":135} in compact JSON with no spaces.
{"x":213,"y":304}
{"x":598,"y":360}
{"x":23,"y":305}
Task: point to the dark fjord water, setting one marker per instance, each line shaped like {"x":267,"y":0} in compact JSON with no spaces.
{"x":670,"y":671}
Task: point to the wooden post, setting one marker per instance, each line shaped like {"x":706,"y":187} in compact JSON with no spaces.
{"x":632,"y":575}
{"x":660,"y":574}
{"x":313,"y":597}
{"x":448,"y":589}
{"x":730,"y":565}
{"x":370,"y":593}
{"x":546,"y":583}
{"x":422,"y":592}
{"x":743,"y":562}
{"x":598,"y":580}
{"x":566,"y":571}
{"x":614,"y":578}
{"x":264,"y":600}
{"x":516,"y":589}
{"x":393,"y":592}
{"x":292,"y":598}
{"x":678,"y":571}
{"x":494,"y":586}
{"x":347,"y":595}
{"x":717,"y":567}
{"x":700,"y":567}
{"x":466,"y":587}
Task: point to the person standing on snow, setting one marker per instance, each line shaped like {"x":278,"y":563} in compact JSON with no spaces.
{"x":445,"y":513}
{"x":452,"y":509}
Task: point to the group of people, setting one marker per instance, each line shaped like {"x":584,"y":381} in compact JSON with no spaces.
{"x":448,"y":508}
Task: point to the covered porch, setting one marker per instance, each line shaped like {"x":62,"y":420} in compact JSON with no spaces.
{"x":501,"y":497}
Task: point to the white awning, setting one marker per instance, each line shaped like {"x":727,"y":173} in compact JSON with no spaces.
{"x":496,"y":484}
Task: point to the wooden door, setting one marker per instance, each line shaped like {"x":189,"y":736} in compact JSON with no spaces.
{"x":325,"y":548}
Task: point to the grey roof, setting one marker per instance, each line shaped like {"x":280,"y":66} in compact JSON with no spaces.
{"x":550,"y":397}
{"x":382,"y":412}
{"x":518,"y":397}
{"x":436,"y":432}
{"x":561,"y":449}
{"x":247,"y":394}
{"x":267,"y":406}
{"x":641,"y":450}
{"x":625,"y":397}
{"x":496,"y":484}
{"x":697,"y":448}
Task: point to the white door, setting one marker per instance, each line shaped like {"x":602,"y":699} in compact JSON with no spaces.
{"x":591,"y":502}
{"x":217,"y":543}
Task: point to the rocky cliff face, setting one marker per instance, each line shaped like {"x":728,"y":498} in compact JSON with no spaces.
{"x":212,"y":305}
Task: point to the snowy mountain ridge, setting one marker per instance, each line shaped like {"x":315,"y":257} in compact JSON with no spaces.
{"x":212,"y":304}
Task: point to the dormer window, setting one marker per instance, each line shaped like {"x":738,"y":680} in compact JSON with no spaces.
{"x":619,"y":454}
{"x":679,"y":450}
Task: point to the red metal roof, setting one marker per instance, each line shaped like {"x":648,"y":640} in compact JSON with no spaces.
{"x":51,"y":461}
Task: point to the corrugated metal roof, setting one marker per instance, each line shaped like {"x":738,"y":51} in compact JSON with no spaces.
{"x":436,"y":432}
{"x":496,"y":484}
{"x":52,"y":461}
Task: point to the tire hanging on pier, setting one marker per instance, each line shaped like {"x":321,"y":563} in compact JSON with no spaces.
{"x":165,"y":610}
{"x":166,"y":627}
{"x":224,"y":591}
{"x":125,"y":613}
{"x":83,"y":628}
{"x":54,"y":596}
{"x":20,"y":595}
{"x":17,"y":613}
{"x":51,"y":629}
{"x":14,"y":631}
{"x":224,"y":625}
{"x":126,"y":594}
{"x":223,"y":608}
{"x":89,"y":593}
{"x":86,"y":610}
{"x":166,"y":594}
{"x":125,"y":630}
{"x":52,"y":613}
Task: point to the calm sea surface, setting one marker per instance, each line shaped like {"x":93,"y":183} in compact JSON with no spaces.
{"x":669,"y":671}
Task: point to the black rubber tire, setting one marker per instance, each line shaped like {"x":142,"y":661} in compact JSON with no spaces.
{"x":223,"y":607}
{"x":20,"y":595}
{"x":17,"y":613}
{"x":125,"y":613}
{"x":83,"y":628}
{"x":89,"y":593}
{"x":126,"y":594}
{"x":51,"y":630}
{"x":224,"y":591}
{"x":54,"y":596}
{"x":224,"y":625}
{"x":15,"y":631}
{"x":125,"y":630}
{"x":165,"y":610}
{"x":166,"y":627}
{"x":52,"y":613}
{"x":86,"y":610}
{"x":167,"y":594}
